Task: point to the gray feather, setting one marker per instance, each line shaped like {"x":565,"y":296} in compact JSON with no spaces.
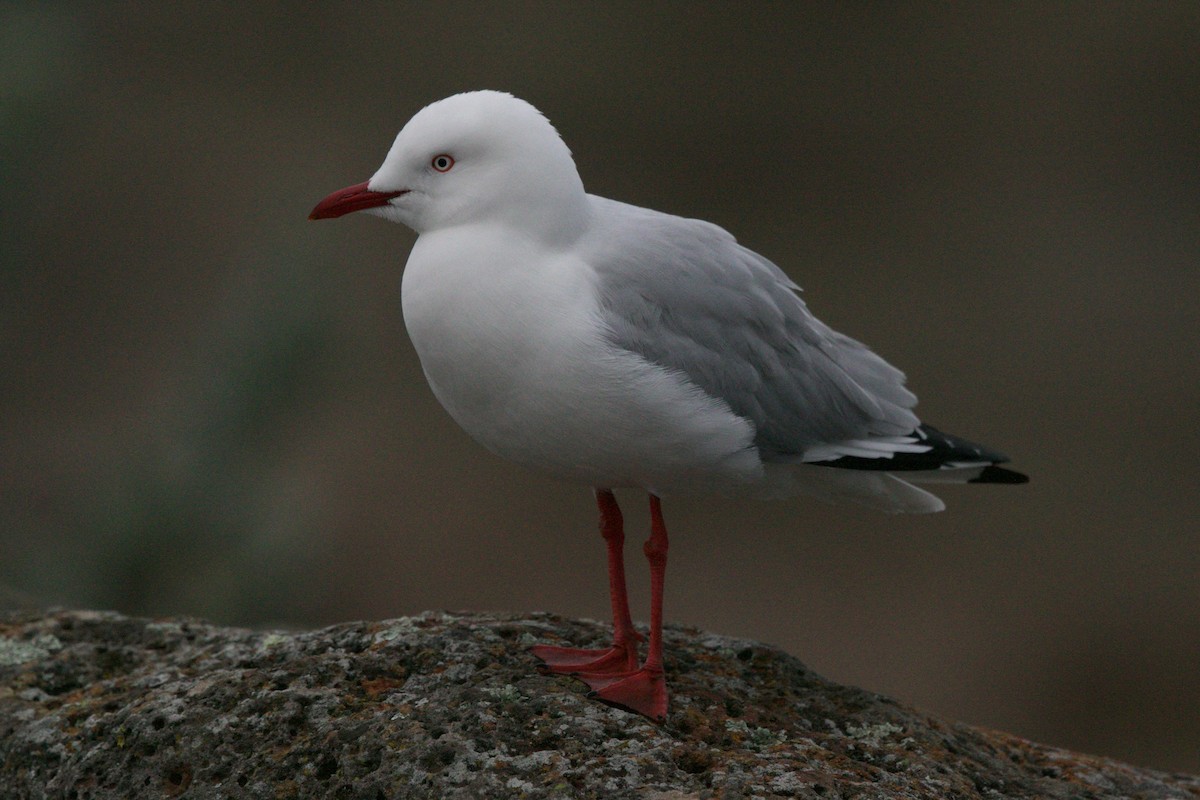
{"x":685,"y":295}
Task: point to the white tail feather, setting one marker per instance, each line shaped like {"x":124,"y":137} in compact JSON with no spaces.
{"x":882,"y":491}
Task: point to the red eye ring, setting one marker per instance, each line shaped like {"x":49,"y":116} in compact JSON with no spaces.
{"x":442,"y":162}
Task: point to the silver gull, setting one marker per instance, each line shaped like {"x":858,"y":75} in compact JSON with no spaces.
{"x":617,"y":346}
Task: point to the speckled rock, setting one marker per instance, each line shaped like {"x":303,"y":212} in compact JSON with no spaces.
{"x":97,"y":705}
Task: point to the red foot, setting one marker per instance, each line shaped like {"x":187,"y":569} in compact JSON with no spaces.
{"x":643,"y":691}
{"x":616,"y":660}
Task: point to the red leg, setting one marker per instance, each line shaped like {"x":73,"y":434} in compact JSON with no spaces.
{"x":644,"y":690}
{"x":621,"y":658}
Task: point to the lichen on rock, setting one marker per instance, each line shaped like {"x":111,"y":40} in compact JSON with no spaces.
{"x":97,"y":705}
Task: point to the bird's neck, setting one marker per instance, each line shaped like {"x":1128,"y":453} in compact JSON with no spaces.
{"x":554,"y":213}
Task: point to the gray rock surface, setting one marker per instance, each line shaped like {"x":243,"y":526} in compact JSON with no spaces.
{"x":97,"y":705}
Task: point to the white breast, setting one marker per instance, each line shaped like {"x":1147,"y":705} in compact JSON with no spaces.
{"x":512,"y":341}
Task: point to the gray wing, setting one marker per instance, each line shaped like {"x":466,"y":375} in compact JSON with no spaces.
{"x":684,"y":294}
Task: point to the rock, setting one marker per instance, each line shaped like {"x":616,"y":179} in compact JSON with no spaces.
{"x":97,"y":705}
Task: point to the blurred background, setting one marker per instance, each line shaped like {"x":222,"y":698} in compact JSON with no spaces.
{"x":209,"y":406}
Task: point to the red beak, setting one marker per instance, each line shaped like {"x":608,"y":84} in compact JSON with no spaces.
{"x":352,"y":198}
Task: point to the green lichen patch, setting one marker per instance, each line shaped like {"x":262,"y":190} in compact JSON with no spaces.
{"x":20,"y":651}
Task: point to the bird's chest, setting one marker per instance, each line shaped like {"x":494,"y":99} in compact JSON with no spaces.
{"x":499,"y":330}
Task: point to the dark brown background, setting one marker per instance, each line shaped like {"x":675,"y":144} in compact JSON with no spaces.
{"x":209,"y":405}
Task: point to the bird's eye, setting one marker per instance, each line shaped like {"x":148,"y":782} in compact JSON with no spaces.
{"x":442,"y":163}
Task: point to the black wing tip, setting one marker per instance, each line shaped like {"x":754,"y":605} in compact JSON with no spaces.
{"x":958,"y":448}
{"x":994,"y":474}
{"x":943,"y":452}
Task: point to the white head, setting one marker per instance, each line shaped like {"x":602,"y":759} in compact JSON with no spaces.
{"x":473,"y":157}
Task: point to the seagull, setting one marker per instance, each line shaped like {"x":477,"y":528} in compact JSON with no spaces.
{"x":616,"y":346}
